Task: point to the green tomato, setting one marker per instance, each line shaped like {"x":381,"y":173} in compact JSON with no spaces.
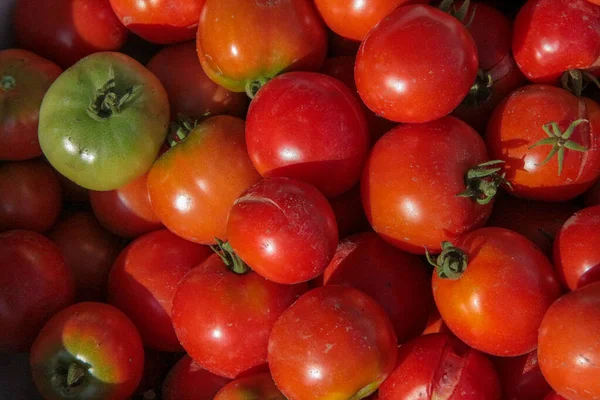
{"x":103,"y":121}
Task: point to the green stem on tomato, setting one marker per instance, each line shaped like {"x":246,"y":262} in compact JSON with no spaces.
{"x":451,"y":263}
{"x":7,"y":83}
{"x":483,"y":181}
{"x":252,"y":87}
{"x":106,"y":101}
{"x":229,"y":257}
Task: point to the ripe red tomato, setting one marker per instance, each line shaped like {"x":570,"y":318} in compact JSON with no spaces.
{"x":415,"y":51}
{"x":349,"y":213}
{"x":259,"y":386}
{"x":398,"y":281}
{"x":569,"y":349}
{"x":335,"y":342}
{"x":284,"y":229}
{"x":488,"y":267}
{"x":308,"y":126}
{"x":522,"y":133}
{"x":24,"y":79}
{"x":554,"y":36}
{"x":200,"y":178}
{"x":412,"y":178}
{"x":126,"y":211}
{"x":144,"y":279}
{"x":187,"y":380}
{"x":576,"y":253}
{"x":521,"y":377}
{"x":439,"y":366}
{"x":88,"y":350}
{"x":30,"y":196}
{"x":35,"y":283}
{"x":89,"y":252}
{"x":160,"y":21}
{"x":233,"y":50}
{"x":554,"y":396}
{"x":67,"y":30}
{"x":191,"y":92}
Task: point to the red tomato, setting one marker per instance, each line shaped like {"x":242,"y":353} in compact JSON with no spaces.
{"x":243,"y":43}
{"x":144,"y":279}
{"x":87,"y":350}
{"x":436,"y":324}
{"x":89,"y":252}
{"x":417,"y":50}
{"x":554,"y":36}
{"x":569,"y":349}
{"x":521,"y":132}
{"x":576,"y":253}
{"x":24,"y":79}
{"x":412,"y":178}
{"x":284,"y":229}
{"x":334,"y":343}
{"x":349,"y":213}
{"x":126,"y":211}
{"x":308,"y":126}
{"x":191,"y":92}
{"x":439,"y":366}
{"x":187,"y":380}
{"x":35,"y":283}
{"x":488,"y":267}
{"x":160,"y":21}
{"x":554,"y":396}
{"x":30,"y":196}
{"x":521,"y":377}
{"x":67,"y":30}
{"x":260,"y":386}
{"x":398,"y":281}
{"x":200,"y":178}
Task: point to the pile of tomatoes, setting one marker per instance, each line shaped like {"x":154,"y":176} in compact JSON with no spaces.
{"x":298,"y":199}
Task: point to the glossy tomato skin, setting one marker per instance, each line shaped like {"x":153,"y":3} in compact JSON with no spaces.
{"x":200,"y":178}
{"x":415,"y":51}
{"x":65,"y":31}
{"x":162,"y":21}
{"x":187,"y":380}
{"x":284,"y":229}
{"x":259,"y":386}
{"x":191,"y":92}
{"x":143,"y":281}
{"x":398,"y":281}
{"x":89,"y":252}
{"x":106,"y":148}
{"x":335,"y":342}
{"x":35,"y":283}
{"x":229,"y":334}
{"x":505,"y":268}
{"x":422,"y":168}
{"x":569,"y":350}
{"x":30,"y":196}
{"x":521,"y":377}
{"x":126,"y":211}
{"x":439,"y":366}
{"x":24,"y":79}
{"x":98,"y":339}
{"x":576,"y":254}
{"x":554,"y":36}
{"x":308,"y":126}
{"x":517,"y":124}
{"x":232,"y":47}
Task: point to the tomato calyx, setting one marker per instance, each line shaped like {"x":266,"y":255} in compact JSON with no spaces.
{"x":481,"y":91}
{"x":253,"y":86}
{"x":229,"y":257}
{"x":179,"y":129}
{"x":483,"y":182}
{"x":451,"y":263}
{"x":106,"y":101}
{"x":559,"y":141}
{"x":576,"y":81}
{"x":7,"y":83}
{"x":367,"y":390}
{"x":69,"y":377}
{"x":461,"y":13}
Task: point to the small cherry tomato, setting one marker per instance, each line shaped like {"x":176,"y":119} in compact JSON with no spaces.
{"x":260,"y":386}
{"x":187,"y":380}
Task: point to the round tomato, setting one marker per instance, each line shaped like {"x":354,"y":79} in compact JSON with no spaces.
{"x":143,"y":281}
{"x":492,"y":279}
{"x":549,"y":142}
{"x":334,"y":343}
{"x":284,"y":229}
{"x":187,"y":380}
{"x":89,"y":252}
{"x":243,"y":43}
{"x":35,"y":283}
{"x":87,"y":351}
{"x":193,"y":185}
{"x":521,"y":377}
{"x":428,"y":183}
{"x":415,"y":51}
{"x":260,"y":386}
{"x":228,"y":335}
{"x":24,"y":79}
{"x":67,"y":30}
{"x":30,"y":196}
{"x":308,"y":126}
{"x":103,"y":121}
{"x":569,"y":349}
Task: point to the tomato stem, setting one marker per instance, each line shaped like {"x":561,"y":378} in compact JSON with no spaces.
{"x":451,"y":263}
{"x":75,"y":374}
{"x":483,"y":182}
{"x":180,"y":129}
{"x":252,"y":87}
{"x":460,"y":13}
{"x":576,"y":81}
{"x":107,"y":102}
{"x":7,"y":83}
{"x":229,"y":257}
{"x":481,"y":91}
